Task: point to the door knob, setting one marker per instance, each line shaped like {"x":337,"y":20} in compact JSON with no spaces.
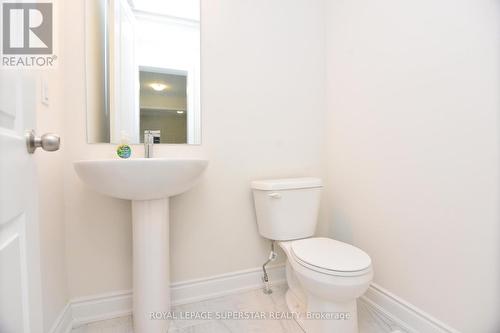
{"x":48,"y":141}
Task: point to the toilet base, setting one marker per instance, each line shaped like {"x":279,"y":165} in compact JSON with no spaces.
{"x":341,"y":317}
{"x":331,"y":317}
{"x":336,"y":308}
{"x":296,"y":306}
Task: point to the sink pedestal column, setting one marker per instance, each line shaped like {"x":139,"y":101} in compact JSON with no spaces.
{"x":151,"y":264}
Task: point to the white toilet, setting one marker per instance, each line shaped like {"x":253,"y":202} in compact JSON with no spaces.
{"x":325,"y":276}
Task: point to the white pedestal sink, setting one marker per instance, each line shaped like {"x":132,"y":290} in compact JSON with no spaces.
{"x":148,"y":183}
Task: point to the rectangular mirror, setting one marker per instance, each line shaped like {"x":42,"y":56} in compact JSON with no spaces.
{"x":143,"y":70}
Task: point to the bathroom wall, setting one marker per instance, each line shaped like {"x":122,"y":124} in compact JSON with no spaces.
{"x":413,"y":149}
{"x":51,"y":219}
{"x":263,"y":108}
{"x":172,"y":126}
{"x":152,"y":101}
{"x":49,"y":165}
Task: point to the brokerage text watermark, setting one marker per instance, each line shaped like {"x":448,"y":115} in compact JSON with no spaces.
{"x":248,"y":315}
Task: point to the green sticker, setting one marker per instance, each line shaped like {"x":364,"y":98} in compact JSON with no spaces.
{"x":124,"y":151}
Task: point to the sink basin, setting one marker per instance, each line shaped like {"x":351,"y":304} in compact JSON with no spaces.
{"x":142,"y":178}
{"x":148,"y":183}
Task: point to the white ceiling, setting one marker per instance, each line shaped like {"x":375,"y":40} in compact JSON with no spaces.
{"x":176,"y":84}
{"x":188,"y":9}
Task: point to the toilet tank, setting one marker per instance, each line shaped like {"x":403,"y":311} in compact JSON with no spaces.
{"x":287,"y":209}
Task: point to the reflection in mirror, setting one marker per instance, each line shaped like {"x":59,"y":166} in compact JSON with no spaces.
{"x":163,"y":104}
{"x":143,"y":70}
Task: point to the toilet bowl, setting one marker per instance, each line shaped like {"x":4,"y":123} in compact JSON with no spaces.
{"x":324,"y":276}
{"x":324,"y":289}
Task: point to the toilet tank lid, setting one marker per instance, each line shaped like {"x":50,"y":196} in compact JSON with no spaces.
{"x":286,"y":184}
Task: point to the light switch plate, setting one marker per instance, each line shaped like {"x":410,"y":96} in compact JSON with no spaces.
{"x":45,"y":92}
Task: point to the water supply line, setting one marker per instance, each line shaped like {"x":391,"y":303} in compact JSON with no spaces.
{"x":272,"y":257}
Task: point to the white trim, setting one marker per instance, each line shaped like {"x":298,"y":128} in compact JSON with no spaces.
{"x":222,"y":285}
{"x":402,"y":313}
{"x":90,"y":309}
{"x":64,"y":322}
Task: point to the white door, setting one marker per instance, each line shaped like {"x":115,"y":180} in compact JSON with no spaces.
{"x":20,"y":282}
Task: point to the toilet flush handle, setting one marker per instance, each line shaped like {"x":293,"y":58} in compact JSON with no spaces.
{"x":275,"y":195}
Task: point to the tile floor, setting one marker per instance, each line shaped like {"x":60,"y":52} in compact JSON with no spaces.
{"x":250,"y":301}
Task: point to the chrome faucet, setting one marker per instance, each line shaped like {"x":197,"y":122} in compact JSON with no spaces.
{"x":148,"y":144}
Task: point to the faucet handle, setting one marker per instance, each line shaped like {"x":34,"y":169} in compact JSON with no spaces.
{"x":148,"y":143}
{"x":153,"y":136}
{"x":148,"y":136}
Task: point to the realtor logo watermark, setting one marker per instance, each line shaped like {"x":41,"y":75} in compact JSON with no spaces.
{"x":28,"y":34}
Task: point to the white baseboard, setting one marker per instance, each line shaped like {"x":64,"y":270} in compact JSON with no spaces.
{"x":217,"y":286}
{"x":90,"y":309}
{"x":402,"y":313}
{"x":86,"y":310}
{"x":64,"y":322}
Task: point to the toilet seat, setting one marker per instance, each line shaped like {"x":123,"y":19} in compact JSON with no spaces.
{"x":328,"y":256}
